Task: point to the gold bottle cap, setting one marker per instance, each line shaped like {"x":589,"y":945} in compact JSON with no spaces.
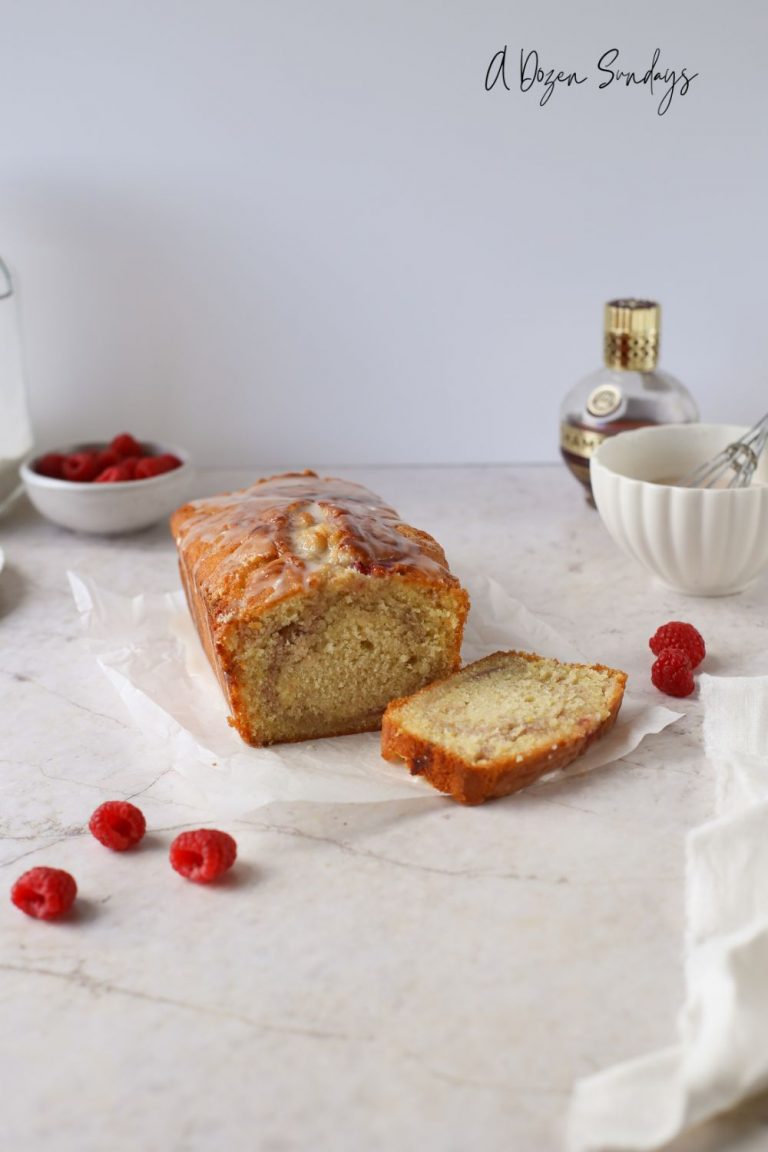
{"x":632,"y":334}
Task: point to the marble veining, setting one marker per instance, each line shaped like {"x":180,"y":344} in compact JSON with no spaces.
{"x":386,"y":976}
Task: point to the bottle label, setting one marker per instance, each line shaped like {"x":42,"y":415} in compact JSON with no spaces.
{"x":605,"y":401}
{"x":581,"y":442}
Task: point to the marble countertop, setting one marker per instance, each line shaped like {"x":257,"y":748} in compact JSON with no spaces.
{"x":397,"y":975}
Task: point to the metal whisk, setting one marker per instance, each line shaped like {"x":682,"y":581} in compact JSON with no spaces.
{"x":740,"y":457}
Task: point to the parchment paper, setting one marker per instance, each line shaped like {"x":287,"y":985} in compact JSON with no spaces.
{"x":148,"y":647}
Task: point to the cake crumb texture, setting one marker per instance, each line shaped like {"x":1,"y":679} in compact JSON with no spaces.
{"x":316,"y":605}
{"x":499,"y":724}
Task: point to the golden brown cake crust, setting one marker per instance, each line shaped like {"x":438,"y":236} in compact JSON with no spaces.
{"x":269,"y":541}
{"x":470,"y":783}
{"x":241,"y":553}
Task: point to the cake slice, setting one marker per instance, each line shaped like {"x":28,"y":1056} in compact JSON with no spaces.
{"x":501,"y":723}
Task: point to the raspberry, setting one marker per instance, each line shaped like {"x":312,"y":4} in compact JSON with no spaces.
{"x":118,"y":473}
{"x":81,"y":466}
{"x":114,"y":475}
{"x":51,"y":465}
{"x":107,"y":458}
{"x":203,"y":855}
{"x":44,"y":892}
{"x":127,"y":445}
{"x":672,"y":672}
{"x":149,"y":466}
{"x":118,"y":825}
{"x":676,"y":634}
{"x":129,"y":464}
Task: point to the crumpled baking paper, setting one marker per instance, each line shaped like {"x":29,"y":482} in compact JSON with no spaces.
{"x":148,"y":647}
{"x":721,"y":1057}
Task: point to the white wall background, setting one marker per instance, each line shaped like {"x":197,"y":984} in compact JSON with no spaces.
{"x":291,"y":230}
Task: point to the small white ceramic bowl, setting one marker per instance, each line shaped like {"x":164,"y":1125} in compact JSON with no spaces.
{"x":109,"y":509}
{"x":705,"y":542}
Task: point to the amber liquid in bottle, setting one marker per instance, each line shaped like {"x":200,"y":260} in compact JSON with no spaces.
{"x":628,"y":393}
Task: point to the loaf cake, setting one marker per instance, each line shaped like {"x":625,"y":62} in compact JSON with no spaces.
{"x":315,"y":604}
{"x":501,"y":723}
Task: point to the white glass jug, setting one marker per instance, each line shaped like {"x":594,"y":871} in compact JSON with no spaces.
{"x":15,"y":430}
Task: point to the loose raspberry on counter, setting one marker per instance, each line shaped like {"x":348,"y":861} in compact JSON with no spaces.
{"x":672,"y":672}
{"x":203,"y":855}
{"x":52,"y":464}
{"x":118,"y":825}
{"x":126,"y":445}
{"x":81,"y":466}
{"x":677,"y":634}
{"x":44,"y":892}
{"x":149,"y":466}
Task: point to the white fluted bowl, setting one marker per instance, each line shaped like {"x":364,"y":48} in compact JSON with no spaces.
{"x":705,"y":542}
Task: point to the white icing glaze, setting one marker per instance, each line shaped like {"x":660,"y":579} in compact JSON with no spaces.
{"x":280,"y":535}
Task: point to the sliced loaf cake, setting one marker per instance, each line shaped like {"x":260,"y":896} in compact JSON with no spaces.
{"x":315,"y":604}
{"x":501,"y":723}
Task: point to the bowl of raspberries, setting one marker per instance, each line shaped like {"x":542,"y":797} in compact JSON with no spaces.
{"x":121,"y":485}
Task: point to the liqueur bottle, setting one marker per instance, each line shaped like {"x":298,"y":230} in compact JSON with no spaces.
{"x":629,"y":392}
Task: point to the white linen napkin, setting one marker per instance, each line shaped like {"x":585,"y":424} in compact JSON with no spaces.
{"x":721,"y":1057}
